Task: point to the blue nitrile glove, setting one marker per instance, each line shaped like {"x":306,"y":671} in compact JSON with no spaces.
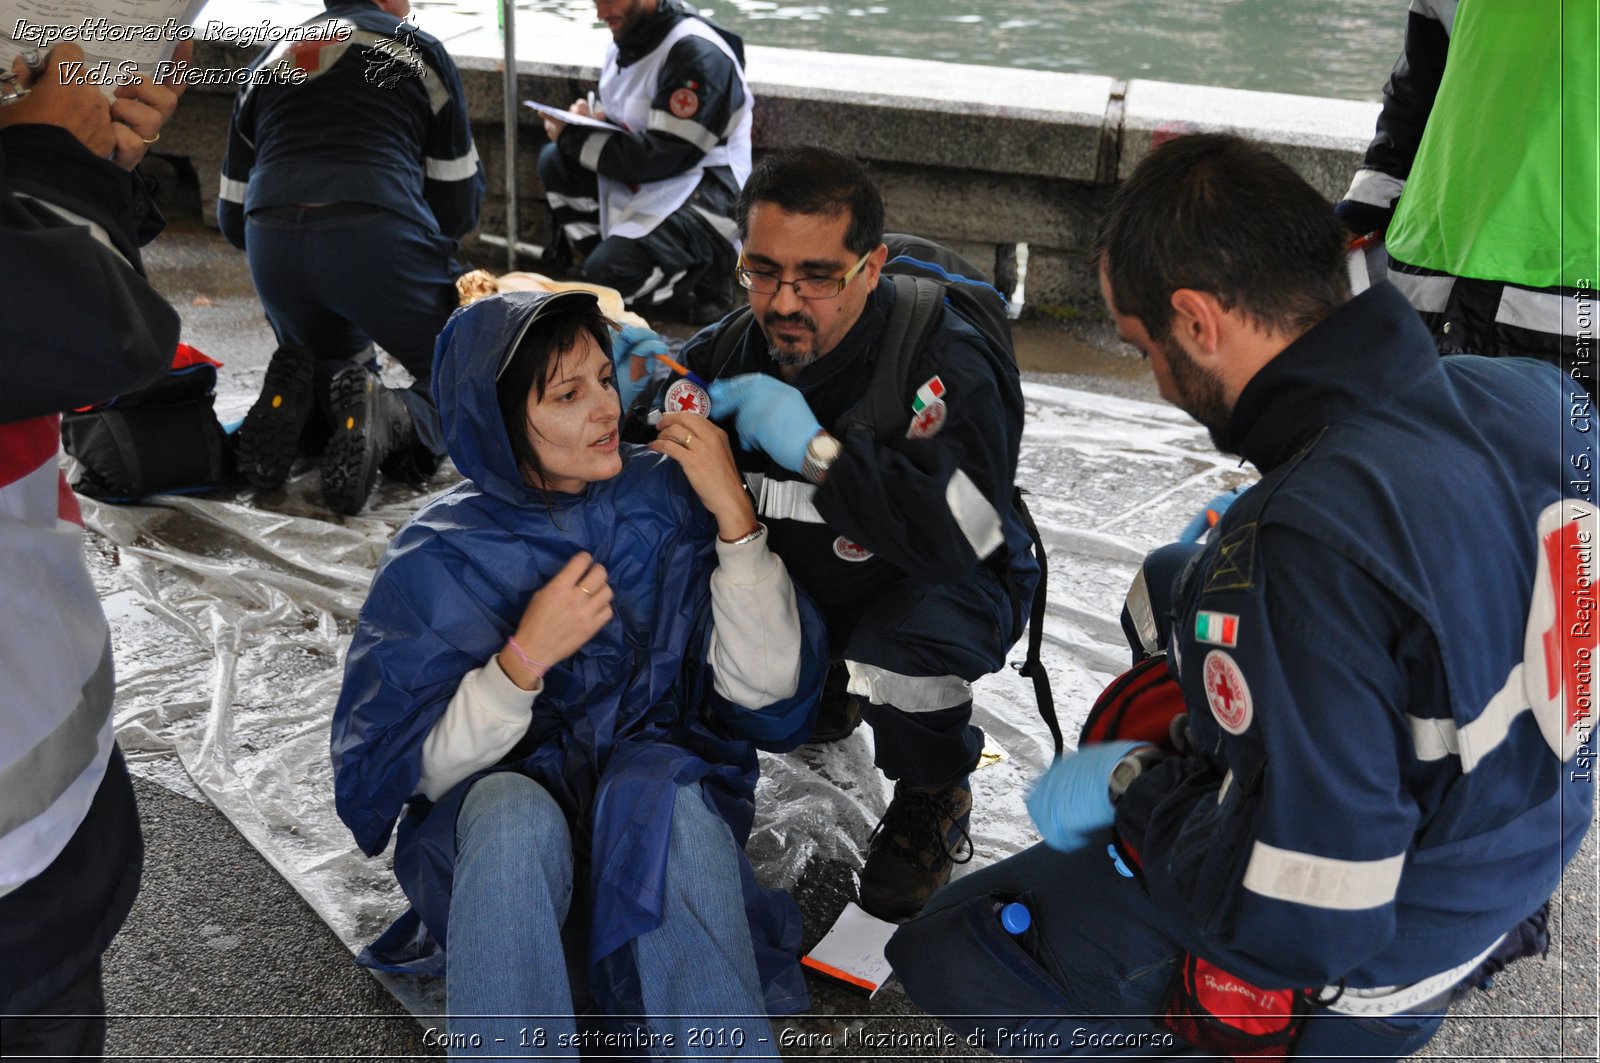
{"x":1073,"y":797}
{"x":1208,"y":516}
{"x":634,"y":341}
{"x":769,"y":415}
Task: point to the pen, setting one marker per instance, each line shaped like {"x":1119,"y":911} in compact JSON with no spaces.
{"x":591,"y":103}
{"x":684,"y":371}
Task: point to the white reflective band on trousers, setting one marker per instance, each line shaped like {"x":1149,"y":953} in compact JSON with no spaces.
{"x":1394,"y":999}
{"x":626,"y":93}
{"x":909,"y":693}
{"x":55,"y":669}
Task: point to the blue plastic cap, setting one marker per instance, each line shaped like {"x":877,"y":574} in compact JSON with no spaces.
{"x":1016,"y":918}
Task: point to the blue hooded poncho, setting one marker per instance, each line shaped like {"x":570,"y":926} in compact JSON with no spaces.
{"x":618,"y":726}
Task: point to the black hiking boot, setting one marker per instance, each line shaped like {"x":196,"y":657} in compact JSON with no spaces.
{"x":370,"y":423}
{"x":922,"y":835}
{"x":269,"y":438}
{"x":839,"y":713}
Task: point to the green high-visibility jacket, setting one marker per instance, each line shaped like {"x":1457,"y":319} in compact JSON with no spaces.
{"x":1506,"y":182}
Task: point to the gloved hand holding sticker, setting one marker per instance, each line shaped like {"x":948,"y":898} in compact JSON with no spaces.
{"x":770,"y":416}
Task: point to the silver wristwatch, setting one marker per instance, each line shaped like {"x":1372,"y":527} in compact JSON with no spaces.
{"x":1130,"y":767}
{"x":821,"y":452}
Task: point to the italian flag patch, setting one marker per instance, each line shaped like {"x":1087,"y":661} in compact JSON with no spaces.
{"x":1219,"y":629}
{"x":933,"y":389}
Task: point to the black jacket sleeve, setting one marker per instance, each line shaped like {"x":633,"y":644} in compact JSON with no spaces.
{"x":80,"y":322}
{"x":671,"y":144}
{"x":238,"y":159}
{"x":1407,"y":101}
{"x":938,"y":503}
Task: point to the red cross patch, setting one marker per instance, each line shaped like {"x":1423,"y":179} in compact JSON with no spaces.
{"x":928,"y":420}
{"x":845,"y":550}
{"x":1227,"y":693}
{"x":684,"y":103}
{"x":684,"y":397}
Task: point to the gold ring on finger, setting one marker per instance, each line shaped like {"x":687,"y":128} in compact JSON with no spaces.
{"x":584,"y":589}
{"x":687,"y":439}
{"x":151,"y":140}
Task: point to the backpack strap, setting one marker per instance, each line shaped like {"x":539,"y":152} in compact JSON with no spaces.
{"x":918,"y":303}
{"x":726,"y":342}
{"x":1032,"y":666}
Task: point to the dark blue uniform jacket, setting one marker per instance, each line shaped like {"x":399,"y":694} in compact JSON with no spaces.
{"x":381,"y":125}
{"x":1383,"y":785}
{"x":619,"y":725}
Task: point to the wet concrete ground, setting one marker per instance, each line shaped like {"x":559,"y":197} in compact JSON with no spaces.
{"x":221,"y":959}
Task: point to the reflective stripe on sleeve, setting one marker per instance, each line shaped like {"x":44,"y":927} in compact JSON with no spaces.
{"x":233,"y":191}
{"x":1375,"y":188}
{"x":593,"y":145}
{"x":787,"y":500}
{"x":458,"y":169}
{"x":909,"y":693}
{"x":683,"y":129}
{"x":1322,"y":881}
{"x":579,"y":231}
{"x":1430,"y":295}
{"x":974,"y":515}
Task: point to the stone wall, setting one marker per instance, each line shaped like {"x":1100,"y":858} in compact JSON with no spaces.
{"x":981,"y":158}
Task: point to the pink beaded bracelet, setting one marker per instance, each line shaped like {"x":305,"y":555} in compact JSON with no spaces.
{"x":539,"y":667}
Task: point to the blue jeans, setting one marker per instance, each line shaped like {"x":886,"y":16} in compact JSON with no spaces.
{"x":507,"y":978}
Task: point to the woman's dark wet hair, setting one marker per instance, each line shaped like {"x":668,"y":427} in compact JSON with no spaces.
{"x":530,"y":369}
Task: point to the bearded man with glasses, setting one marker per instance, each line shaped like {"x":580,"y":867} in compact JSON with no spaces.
{"x":906,"y":540}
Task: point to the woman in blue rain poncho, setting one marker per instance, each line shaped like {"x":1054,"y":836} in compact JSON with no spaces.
{"x":557,"y":687}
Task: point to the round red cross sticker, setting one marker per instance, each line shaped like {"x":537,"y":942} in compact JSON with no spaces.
{"x":684,"y":397}
{"x":684,"y":103}
{"x":927,"y":422}
{"x":1227,"y":693}
{"x":846,"y":550}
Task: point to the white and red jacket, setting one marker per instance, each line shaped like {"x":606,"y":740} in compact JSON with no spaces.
{"x":79,"y":324}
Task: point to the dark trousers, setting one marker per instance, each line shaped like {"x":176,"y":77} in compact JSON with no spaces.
{"x":1092,"y":975}
{"x":72,"y":1025}
{"x":671,"y":259}
{"x":938,"y":636}
{"x":335,"y":279}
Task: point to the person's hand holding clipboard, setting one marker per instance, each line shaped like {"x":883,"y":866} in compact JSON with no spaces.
{"x":587,"y":113}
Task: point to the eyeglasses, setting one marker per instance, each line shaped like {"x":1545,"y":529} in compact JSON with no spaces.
{"x":804,"y":287}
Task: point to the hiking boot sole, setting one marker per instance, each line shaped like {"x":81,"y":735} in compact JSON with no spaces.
{"x":350,"y":464}
{"x":269,"y":438}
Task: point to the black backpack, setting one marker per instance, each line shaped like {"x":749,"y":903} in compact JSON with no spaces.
{"x":926,"y":277}
{"x":161,"y":439}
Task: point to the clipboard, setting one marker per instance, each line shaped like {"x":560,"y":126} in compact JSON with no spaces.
{"x":563,"y":115}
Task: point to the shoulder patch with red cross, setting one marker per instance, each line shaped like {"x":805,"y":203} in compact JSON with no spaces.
{"x":928,"y":410}
{"x":685,"y":100}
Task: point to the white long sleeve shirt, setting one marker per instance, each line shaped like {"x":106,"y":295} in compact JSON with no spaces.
{"x":754,"y":655}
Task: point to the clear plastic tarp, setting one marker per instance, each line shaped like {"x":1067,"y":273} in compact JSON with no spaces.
{"x":231,"y":616}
